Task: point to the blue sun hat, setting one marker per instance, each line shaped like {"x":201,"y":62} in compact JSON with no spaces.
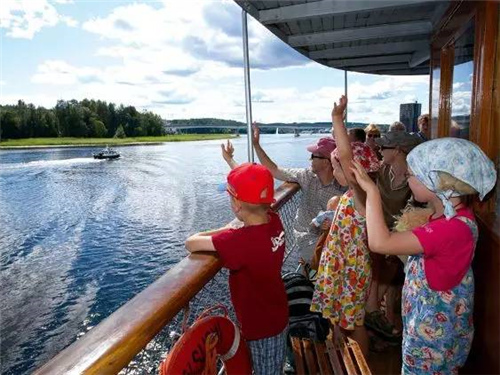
{"x":459,"y":158}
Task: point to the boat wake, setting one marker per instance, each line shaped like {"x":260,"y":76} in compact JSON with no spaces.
{"x":51,"y":163}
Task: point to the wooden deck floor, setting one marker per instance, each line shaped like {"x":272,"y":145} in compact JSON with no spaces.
{"x":386,"y":362}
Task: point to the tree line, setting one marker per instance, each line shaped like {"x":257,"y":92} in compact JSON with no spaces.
{"x":86,"y":118}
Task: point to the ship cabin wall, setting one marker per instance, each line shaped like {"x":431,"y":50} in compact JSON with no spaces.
{"x":464,"y":102}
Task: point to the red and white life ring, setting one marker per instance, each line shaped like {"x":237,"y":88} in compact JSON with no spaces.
{"x":209,"y":338}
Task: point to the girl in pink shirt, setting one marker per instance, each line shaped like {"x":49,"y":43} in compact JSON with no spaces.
{"x":439,"y":287}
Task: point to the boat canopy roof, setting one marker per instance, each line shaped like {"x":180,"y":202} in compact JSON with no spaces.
{"x":390,"y":37}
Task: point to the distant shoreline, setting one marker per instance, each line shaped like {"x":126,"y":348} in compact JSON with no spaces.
{"x":38,"y":143}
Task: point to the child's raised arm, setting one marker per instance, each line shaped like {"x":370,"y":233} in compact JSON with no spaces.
{"x":380,"y":239}
{"x":227,"y":154}
{"x":339,"y":133}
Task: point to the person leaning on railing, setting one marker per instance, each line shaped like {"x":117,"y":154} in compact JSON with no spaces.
{"x":254,"y":254}
{"x":317,"y":184}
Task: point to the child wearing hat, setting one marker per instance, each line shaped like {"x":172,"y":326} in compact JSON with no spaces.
{"x":438,"y":294}
{"x":344,"y":271}
{"x":254,"y":255}
{"x":316,"y":183}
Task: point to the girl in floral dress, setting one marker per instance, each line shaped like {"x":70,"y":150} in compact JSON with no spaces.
{"x":438,"y":292}
{"x":344,"y":271}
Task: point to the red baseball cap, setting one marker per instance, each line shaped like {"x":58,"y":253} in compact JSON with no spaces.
{"x":251,"y":183}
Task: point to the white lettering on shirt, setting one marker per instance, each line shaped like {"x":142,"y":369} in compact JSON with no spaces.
{"x":278,"y":241}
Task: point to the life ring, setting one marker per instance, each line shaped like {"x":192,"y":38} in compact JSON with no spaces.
{"x":209,"y":338}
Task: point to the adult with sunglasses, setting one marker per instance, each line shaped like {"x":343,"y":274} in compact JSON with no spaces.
{"x":372,"y":133}
{"x":317,"y":184}
{"x":395,"y":192}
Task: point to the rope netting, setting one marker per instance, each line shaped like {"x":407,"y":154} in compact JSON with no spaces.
{"x":216,"y":291}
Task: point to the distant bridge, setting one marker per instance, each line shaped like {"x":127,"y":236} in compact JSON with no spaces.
{"x":294,"y":127}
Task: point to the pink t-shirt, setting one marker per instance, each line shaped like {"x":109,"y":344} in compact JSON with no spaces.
{"x":448,"y":249}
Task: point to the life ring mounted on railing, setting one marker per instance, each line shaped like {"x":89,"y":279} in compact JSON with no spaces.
{"x":211,"y":337}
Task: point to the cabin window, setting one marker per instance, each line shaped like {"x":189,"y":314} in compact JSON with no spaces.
{"x":435,"y":87}
{"x":461,"y":91}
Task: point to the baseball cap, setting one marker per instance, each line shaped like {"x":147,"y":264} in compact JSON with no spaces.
{"x":403,"y":140}
{"x":323,"y":147}
{"x":251,"y":183}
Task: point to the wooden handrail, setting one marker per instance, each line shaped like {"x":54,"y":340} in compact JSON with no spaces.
{"x":284,"y":193}
{"x":113,"y":343}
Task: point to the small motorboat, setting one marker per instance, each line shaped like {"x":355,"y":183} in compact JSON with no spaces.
{"x":107,"y":153}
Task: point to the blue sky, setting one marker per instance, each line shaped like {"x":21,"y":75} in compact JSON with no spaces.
{"x":180,"y":59}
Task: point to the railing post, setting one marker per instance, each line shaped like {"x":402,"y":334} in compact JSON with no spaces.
{"x":248,"y":95}
{"x":345,"y":93}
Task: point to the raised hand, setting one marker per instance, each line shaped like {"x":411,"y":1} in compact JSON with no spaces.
{"x":227,"y":151}
{"x":255,"y":133}
{"x":339,"y":109}
{"x":362,"y":178}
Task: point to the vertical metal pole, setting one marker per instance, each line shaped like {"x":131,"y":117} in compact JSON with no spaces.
{"x":345,"y":93}
{"x":248,"y":95}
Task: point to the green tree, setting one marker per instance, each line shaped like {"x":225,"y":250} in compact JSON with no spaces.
{"x":120,"y":133}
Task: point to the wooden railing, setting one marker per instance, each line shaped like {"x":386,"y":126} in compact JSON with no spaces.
{"x":113,"y":343}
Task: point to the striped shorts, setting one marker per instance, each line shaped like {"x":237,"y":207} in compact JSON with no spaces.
{"x":268,"y":355}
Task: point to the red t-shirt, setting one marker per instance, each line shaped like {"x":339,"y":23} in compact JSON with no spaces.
{"x":254,"y":256}
{"x":448,"y":249}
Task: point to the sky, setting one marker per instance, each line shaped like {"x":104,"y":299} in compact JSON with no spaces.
{"x":179,"y":59}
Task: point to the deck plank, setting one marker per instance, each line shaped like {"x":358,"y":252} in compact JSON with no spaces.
{"x":312,"y":364}
{"x":324,"y":365}
{"x":298,"y":356}
{"x":334,"y":358}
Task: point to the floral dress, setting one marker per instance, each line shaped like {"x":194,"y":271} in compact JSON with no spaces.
{"x":438,"y":327}
{"x":344,"y":271}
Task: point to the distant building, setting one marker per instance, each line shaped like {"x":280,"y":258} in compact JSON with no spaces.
{"x":408,"y":115}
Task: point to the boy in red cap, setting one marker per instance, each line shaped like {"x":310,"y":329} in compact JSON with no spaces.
{"x":254,"y":255}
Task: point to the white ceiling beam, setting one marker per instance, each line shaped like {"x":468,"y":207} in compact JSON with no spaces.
{"x":420,"y":56}
{"x":369,"y":50}
{"x":405,"y":72}
{"x":374,"y":68}
{"x":248,"y":7}
{"x":362,"y":33}
{"x":343,"y":63}
{"x":328,"y":8}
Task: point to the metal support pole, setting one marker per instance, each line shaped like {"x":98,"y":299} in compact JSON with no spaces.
{"x":248,"y":95}
{"x":345,"y":93}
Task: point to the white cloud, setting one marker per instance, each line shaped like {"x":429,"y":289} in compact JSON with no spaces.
{"x":184,"y":60}
{"x":23,"y":19}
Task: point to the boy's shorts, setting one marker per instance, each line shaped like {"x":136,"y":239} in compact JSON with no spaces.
{"x":268,"y":355}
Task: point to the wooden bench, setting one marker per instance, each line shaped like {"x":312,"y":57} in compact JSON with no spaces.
{"x":338,"y":355}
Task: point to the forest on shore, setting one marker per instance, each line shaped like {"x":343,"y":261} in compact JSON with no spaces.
{"x":91,"y":118}
{"x":82,"y":119}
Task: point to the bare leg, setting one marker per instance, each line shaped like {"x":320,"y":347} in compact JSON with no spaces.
{"x":372,"y":303}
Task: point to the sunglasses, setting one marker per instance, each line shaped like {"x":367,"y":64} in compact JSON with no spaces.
{"x":317,"y":157}
{"x":382,"y":148}
{"x":373,"y":136}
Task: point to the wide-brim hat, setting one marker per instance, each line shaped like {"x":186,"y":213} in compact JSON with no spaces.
{"x":402,"y":140}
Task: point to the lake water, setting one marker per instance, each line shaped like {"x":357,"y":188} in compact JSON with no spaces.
{"x":79,"y":237}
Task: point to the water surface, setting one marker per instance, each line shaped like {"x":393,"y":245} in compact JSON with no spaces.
{"x":79,"y":237}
